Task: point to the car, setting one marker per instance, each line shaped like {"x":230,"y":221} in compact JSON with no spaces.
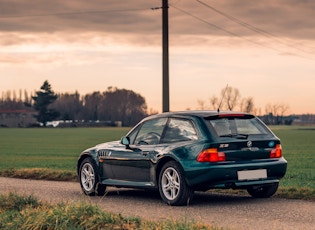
{"x":178,"y":153}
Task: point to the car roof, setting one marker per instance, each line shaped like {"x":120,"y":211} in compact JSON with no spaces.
{"x":198,"y":113}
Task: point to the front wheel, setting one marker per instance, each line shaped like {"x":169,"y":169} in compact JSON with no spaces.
{"x":172,"y":185}
{"x":263,"y":191}
{"x":89,"y":180}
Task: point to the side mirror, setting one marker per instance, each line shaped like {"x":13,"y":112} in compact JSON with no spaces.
{"x":125,"y":141}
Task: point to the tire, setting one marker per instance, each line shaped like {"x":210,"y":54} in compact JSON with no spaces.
{"x":89,"y":179}
{"x":172,"y":185}
{"x":263,"y":191}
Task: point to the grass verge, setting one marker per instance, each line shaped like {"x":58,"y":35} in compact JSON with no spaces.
{"x":26,"y":212}
{"x":40,"y":174}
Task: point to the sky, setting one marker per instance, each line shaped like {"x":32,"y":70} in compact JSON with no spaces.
{"x":265,"y":49}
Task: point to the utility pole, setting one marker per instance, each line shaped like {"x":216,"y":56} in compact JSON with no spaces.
{"x":165,"y":87}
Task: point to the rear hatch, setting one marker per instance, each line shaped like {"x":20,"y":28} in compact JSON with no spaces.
{"x":242,"y":137}
{"x":236,"y":150}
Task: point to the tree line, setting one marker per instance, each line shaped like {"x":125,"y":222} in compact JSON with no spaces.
{"x":129,"y":107}
{"x":109,"y":106}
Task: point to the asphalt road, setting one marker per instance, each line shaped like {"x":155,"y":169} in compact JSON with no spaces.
{"x":222,"y":210}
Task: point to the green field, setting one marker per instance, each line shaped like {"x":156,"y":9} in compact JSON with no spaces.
{"x":298,"y":145}
{"x":52,"y":148}
{"x":58,"y":149}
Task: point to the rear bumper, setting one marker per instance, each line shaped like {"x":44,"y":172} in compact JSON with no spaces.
{"x":204,"y":176}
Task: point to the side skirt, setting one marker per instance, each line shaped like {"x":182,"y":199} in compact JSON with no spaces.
{"x":128,"y":184}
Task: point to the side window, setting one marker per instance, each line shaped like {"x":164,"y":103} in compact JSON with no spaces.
{"x":150,"y":132}
{"x":179,"y":130}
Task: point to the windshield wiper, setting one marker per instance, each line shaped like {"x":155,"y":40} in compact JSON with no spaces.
{"x":236,"y":135}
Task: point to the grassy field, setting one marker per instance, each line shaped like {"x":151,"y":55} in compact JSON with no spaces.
{"x":51,"y":148}
{"x":57,"y":149}
{"x":298,"y":145}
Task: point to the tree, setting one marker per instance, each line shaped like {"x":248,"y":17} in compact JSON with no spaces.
{"x":69,"y":105}
{"x":247,"y":105}
{"x":43,"y":99}
{"x":123,"y":105}
{"x":231,"y":97}
{"x":91,"y":103}
{"x":214,"y":101}
{"x":276,"y":113}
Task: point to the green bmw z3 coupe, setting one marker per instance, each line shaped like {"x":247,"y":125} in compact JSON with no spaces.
{"x":178,"y":153}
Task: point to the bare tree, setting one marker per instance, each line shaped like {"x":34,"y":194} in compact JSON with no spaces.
{"x":201,"y":104}
{"x":69,"y":105}
{"x":275,"y":113}
{"x":275,"y":109}
{"x":283,"y":109}
{"x":91,"y":103}
{"x":214,"y":101}
{"x":231,"y":97}
{"x":247,"y":105}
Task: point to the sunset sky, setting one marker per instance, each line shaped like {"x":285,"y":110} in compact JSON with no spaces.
{"x":266,"y":49}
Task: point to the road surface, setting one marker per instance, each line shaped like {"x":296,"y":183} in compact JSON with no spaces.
{"x":221,"y":210}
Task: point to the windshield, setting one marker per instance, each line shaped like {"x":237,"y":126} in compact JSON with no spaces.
{"x":239,"y":127}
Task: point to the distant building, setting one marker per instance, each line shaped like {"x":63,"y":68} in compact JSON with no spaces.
{"x":17,"y":118}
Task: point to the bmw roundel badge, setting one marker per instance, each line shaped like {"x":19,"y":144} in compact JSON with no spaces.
{"x":271,"y":144}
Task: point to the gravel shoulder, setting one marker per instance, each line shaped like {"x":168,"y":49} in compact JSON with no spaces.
{"x":222,"y":210}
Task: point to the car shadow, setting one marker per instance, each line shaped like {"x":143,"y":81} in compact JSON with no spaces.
{"x":210,"y":197}
{"x":219,"y":198}
{"x":134,"y":193}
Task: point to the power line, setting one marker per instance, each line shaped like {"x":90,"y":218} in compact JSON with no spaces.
{"x":232,"y":33}
{"x":71,"y":13}
{"x":250,"y":27}
{"x":244,"y":24}
{"x":220,"y":28}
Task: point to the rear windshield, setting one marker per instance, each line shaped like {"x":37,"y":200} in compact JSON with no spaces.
{"x":238,"y":126}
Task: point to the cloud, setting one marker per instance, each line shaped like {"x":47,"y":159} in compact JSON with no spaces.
{"x":95,"y":26}
{"x":284,"y":18}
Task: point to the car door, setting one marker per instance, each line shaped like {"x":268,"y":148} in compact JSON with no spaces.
{"x":135,"y":163}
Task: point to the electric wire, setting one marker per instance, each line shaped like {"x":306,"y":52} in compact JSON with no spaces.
{"x":235,"y":34}
{"x":71,"y":13}
{"x":222,"y":29}
{"x":251,"y":27}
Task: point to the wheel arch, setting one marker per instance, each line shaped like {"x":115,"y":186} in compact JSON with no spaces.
{"x":82,"y":157}
{"x":160,"y":165}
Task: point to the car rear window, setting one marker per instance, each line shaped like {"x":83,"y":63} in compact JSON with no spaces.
{"x":238,"y":126}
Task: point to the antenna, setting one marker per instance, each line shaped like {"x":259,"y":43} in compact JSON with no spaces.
{"x":227,"y":85}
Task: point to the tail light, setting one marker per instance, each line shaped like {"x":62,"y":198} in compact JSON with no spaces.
{"x":211,"y":155}
{"x":276,"y":152}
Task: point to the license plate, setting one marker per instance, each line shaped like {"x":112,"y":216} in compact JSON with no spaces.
{"x":252,"y":174}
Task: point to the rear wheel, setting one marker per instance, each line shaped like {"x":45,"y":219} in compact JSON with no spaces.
{"x":172,"y":185}
{"x":89,"y":180}
{"x":263,"y":191}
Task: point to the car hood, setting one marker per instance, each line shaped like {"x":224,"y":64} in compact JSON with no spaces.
{"x":106,"y":145}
